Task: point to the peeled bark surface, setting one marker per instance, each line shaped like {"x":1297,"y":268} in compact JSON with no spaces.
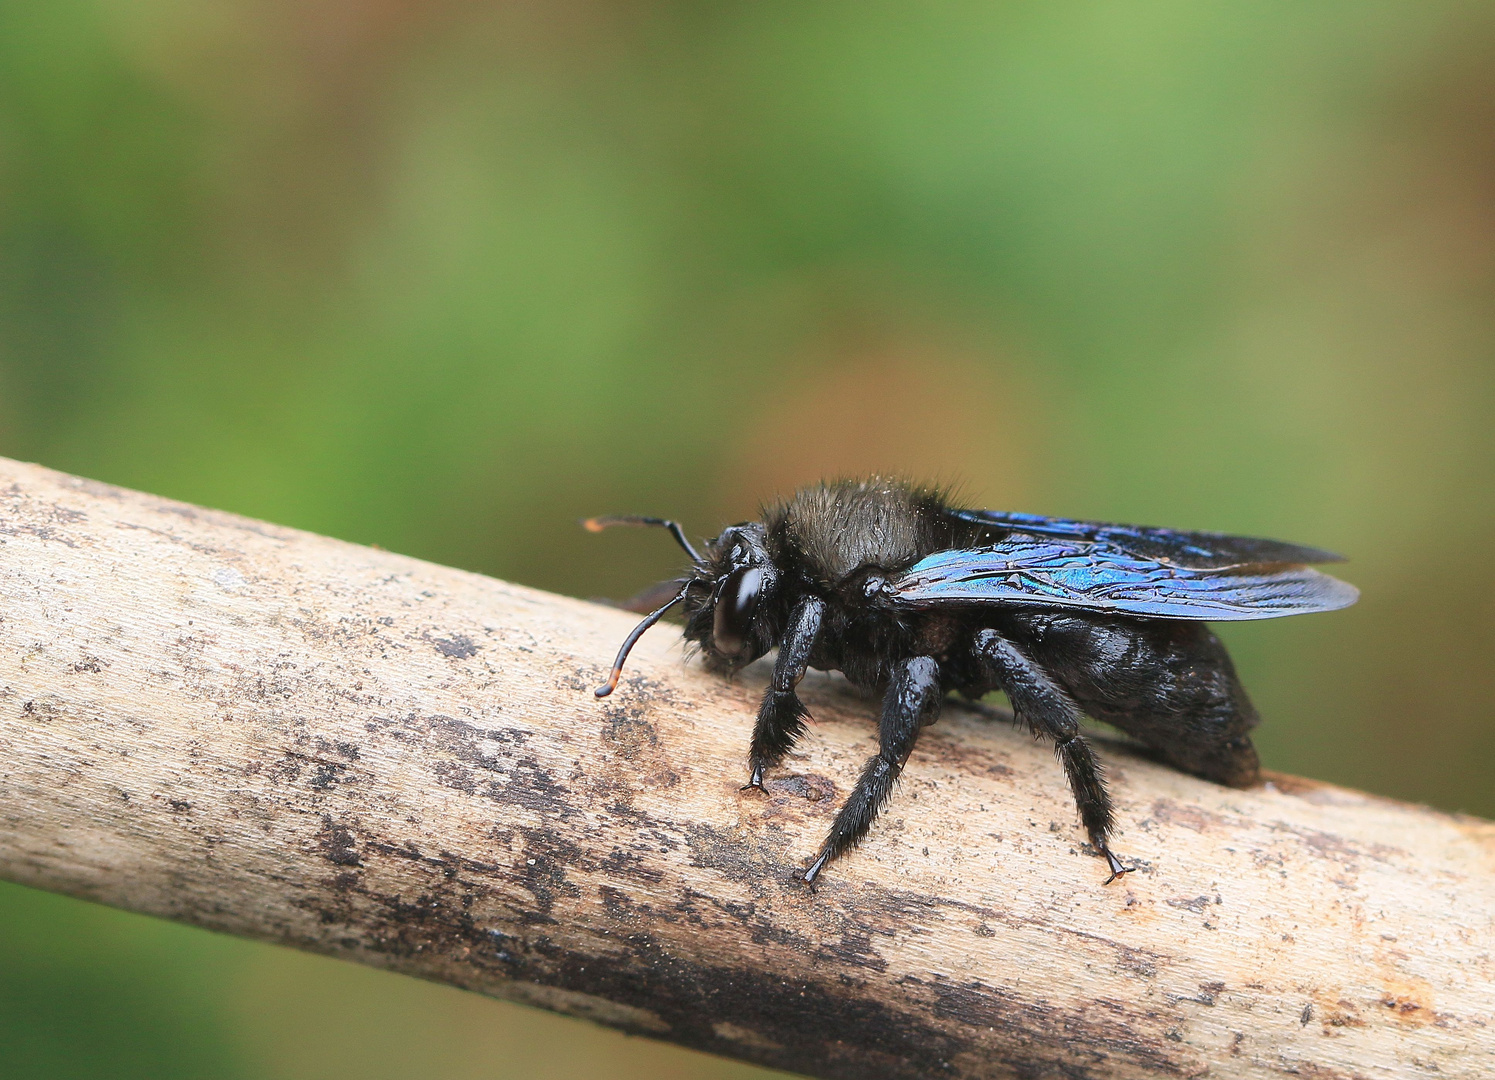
{"x":290,"y":738}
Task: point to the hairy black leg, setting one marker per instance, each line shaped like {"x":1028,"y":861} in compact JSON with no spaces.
{"x":1043,"y":703}
{"x":912,"y":701}
{"x":782,"y":716}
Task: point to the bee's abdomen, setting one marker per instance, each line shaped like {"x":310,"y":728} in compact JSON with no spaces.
{"x":1168,"y":682}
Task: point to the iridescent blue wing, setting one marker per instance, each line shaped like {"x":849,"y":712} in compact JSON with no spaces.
{"x":1196,"y":550}
{"x":1099,"y":576}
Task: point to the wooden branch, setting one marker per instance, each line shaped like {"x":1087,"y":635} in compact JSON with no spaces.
{"x":295,"y":739}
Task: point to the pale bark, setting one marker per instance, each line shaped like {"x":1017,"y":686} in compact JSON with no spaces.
{"x":295,"y":739}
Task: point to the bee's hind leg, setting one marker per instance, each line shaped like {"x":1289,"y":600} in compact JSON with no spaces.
{"x":913,"y":700}
{"x":1049,"y":710}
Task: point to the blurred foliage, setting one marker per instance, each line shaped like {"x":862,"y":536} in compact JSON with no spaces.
{"x":445,"y":277}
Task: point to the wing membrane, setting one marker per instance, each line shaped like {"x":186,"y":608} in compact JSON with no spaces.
{"x":1195,"y":550}
{"x":1025,"y":569}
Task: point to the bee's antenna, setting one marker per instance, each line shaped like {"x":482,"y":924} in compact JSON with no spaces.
{"x":628,"y":642}
{"x":597,"y":524}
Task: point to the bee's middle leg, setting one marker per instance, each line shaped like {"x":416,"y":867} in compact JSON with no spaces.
{"x":913,"y":701}
{"x":1050,"y":711}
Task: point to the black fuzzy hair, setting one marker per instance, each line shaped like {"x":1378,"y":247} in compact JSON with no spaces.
{"x":833,"y":529}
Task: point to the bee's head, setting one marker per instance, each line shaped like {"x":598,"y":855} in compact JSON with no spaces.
{"x":728,"y":598}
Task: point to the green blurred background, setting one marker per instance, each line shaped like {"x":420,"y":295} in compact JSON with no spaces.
{"x":444,"y":276}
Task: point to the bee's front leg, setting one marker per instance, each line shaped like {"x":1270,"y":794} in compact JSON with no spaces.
{"x":782,"y":716}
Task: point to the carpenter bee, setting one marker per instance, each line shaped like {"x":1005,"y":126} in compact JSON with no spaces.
{"x":911,"y":596}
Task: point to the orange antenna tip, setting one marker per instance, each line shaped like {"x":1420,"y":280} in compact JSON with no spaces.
{"x":611,"y":684}
{"x":628,"y":642}
{"x":607,"y":521}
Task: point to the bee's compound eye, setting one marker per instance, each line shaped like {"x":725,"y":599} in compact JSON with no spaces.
{"x":735,"y":609}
